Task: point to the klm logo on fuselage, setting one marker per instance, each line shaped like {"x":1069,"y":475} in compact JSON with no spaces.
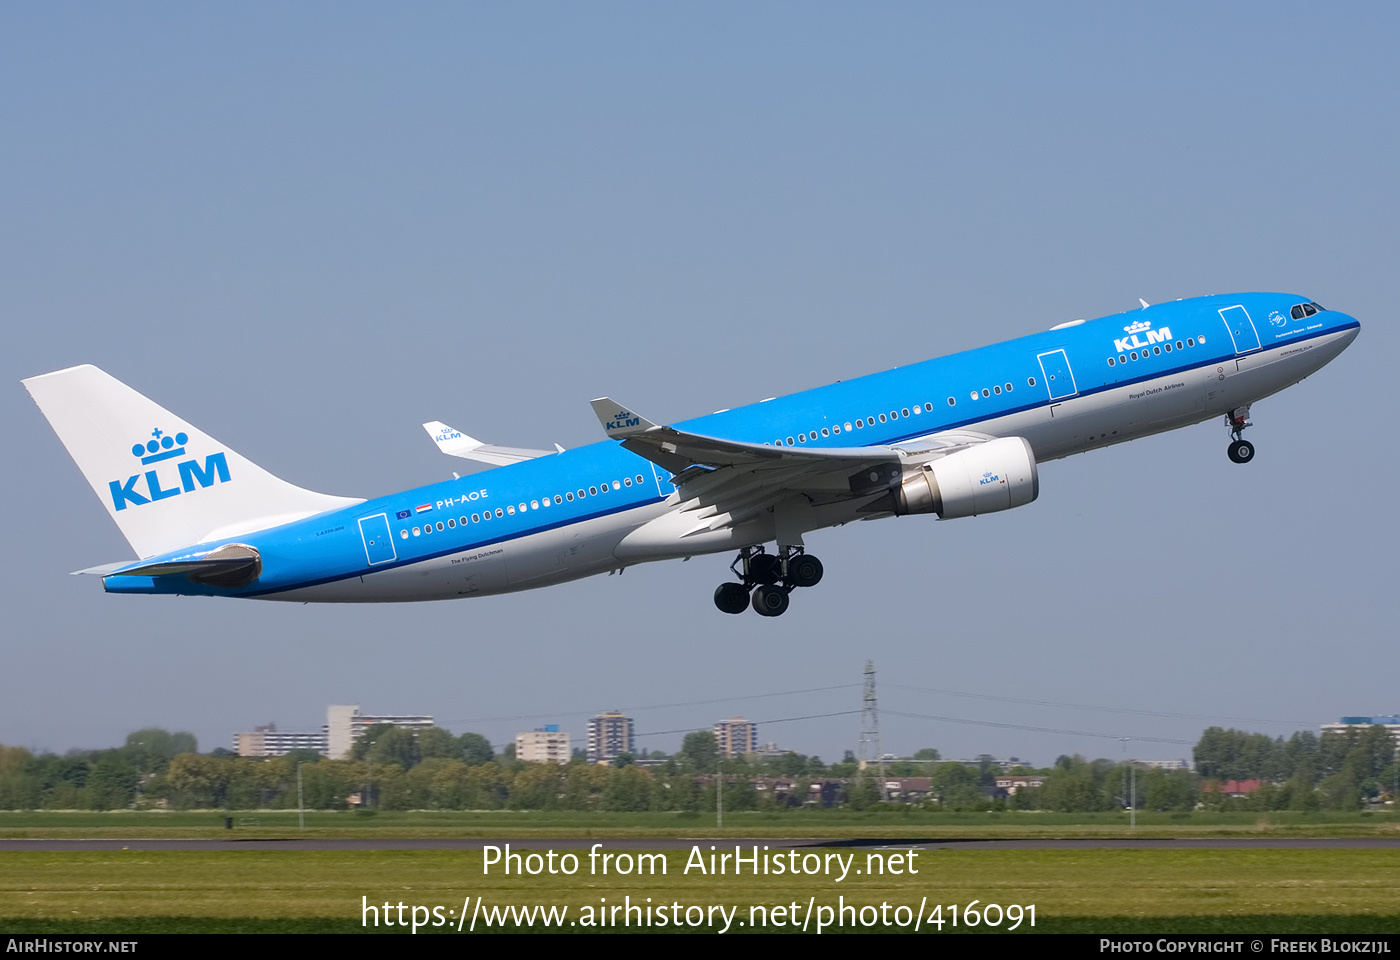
{"x":192,"y":475}
{"x":1144,"y":327}
{"x":624,"y":419}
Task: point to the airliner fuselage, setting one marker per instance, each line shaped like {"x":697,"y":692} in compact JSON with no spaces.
{"x":928,"y":438}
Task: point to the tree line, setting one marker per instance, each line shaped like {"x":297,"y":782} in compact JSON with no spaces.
{"x":396,"y":768}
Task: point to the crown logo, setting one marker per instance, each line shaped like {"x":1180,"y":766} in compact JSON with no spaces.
{"x":161,"y":447}
{"x":1138,"y":327}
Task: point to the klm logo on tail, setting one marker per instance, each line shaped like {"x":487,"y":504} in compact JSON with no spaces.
{"x":162,"y":447}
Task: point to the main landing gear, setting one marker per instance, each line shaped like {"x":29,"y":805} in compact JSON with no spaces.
{"x":1241,"y":450}
{"x":770,"y":578}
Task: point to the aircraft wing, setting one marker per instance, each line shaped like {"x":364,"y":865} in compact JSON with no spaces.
{"x":726,"y":482}
{"x":455,"y":443}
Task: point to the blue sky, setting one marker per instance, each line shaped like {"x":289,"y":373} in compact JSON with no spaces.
{"x":308,"y":229}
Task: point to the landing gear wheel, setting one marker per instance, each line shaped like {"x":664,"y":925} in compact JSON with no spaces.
{"x":765,"y":568}
{"x":770,"y":601}
{"x":804,"y":570}
{"x":1241,"y":451}
{"x":732,"y":597}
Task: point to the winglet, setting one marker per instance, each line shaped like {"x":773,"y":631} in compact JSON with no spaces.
{"x":455,"y":443}
{"x":620,"y":421}
{"x":450,"y":441}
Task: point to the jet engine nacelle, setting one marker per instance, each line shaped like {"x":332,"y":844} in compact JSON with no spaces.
{"x":992,"y":476}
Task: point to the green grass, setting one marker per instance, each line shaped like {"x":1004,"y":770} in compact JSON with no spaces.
{"x":1083,"y":891}
{"x":804,"y":823}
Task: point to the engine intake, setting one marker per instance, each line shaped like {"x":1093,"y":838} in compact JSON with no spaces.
{"x":990,"y":477}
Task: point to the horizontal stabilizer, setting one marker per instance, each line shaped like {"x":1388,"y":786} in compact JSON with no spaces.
{"x":232,"y":565}
{"x":455,"y":443}
{"x":102,"y":569}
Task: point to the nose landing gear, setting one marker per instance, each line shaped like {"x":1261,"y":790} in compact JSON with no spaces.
{"x":1241,"y":450}
{"x":770,"y":577}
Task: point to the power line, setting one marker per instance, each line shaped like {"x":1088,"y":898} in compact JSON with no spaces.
{"x":661,"y":706}
{"x":1085,"y":706}
{"x":811,"y":716}
{"x":1022,"y":726}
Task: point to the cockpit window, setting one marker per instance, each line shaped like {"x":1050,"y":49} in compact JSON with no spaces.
{"x":1305,"y":310}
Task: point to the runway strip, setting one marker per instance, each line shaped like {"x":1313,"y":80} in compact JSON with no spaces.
{"x":685,"y":843}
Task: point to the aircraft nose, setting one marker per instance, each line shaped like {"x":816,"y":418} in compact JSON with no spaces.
{"x":1351,"y":327}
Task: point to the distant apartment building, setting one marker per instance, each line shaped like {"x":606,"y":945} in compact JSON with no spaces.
{"x":345,"y":725}
{"x":545,"y":745}
{"x":609,"y":734}
{"x":736,"y":737}
{"x":1391,"y":724}
{"x":268,"y":741}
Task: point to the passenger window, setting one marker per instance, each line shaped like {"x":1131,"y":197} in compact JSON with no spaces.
{"x":928,"y":408}
{"x":848,"y":426}
{"x":498,"y":513}
{"x":1111,"y":361}
{"x":986,"y":392}
{"x":882,"y":418}
{"x":569,"y":497}
{"x":825,"y":433}
{"x":1156,"y":351}
{"x":476,"y":518}
{"x":403,"y":534}
{"x":510,"y":510}
{"x":558,"y":499}
{"x":534,"y":505}
{"x":616,"y":485}
{"x":592,"y":491}
{"x":904,"y":412}
{"x":789,"y":443}
{"x":996,"y":390}
{"x":452,"y":523}
{"x":415,"y":531}
{"x":952,"y":402}
{"x":439,"y":526}
{"x":1030,"y":381}
{"x":1190,"y":342}
{"x":1008,"y":388}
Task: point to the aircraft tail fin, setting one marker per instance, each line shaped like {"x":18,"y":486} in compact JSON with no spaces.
{"x":166,"y":483}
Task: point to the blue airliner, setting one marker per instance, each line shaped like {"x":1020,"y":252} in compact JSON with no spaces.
{"x":955,"y":437}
